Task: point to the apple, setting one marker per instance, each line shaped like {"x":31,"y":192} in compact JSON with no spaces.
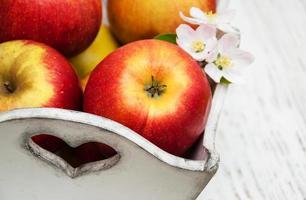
{"x":84,"y":82}
{"x":103,"y":45}
{"x":68,"y":26}
{"x":35,"y":75}
{"x":154,"y":88}
{"x":132,"y":20}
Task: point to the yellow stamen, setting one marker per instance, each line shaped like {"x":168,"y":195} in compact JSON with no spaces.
{"x":198,"y":46}
{"x":223,"y":62}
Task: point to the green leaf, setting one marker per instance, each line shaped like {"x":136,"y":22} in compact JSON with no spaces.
{"x":225,"y":81}
{"x":170,"y":37}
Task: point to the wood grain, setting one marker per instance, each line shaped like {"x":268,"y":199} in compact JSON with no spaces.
{"x":262,"y":133}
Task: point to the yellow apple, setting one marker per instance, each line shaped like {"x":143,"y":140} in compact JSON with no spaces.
{"x":103,"y":44}
{"x":84,"y":82}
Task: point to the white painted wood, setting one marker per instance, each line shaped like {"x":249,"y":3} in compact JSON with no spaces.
{"x":137,"y":175}
{"x":261,"y":136}
{"x":212,"y":124}
{"x":122,"y":131}
{"x":62,"y":164}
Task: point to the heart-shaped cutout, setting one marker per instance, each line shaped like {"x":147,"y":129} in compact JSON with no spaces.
{"x":74,"y":161}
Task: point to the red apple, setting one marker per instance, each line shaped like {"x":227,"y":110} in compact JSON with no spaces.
{"x":35,"y":75}
{"x":68,"y":26}
{"x":154,"y":88}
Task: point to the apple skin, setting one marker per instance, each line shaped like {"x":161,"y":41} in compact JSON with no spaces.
{"x":84,"y":82}
{"x":103,"y":45}
{"x":132,"y":20}
{"x":68,"y":26}
{"x":35,"y":75}
{"x":173,"y":120}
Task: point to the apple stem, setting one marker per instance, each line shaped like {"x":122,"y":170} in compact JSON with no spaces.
{"x":155,"y":89}
{"x":8,"y":87}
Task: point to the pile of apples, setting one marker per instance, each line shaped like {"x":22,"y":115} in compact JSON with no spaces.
{"x":48,"y":48}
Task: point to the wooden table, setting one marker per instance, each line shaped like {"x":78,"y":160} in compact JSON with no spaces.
{"x":262,"y":133}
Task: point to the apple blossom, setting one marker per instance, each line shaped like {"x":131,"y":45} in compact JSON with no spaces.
{"x":221,"y":19}
{"x":227,"y":60}
{"x":198,"y":43}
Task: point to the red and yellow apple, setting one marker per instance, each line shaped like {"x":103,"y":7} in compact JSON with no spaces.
{"x":154,"y":88}
{"x":35,"y":75}
{"x":68,"y":26}
{"x":132,"y":20}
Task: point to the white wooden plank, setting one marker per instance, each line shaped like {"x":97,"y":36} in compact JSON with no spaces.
{"x":262,"y":133}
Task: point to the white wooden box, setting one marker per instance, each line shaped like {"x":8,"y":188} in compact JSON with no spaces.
{"x":141,"y":170}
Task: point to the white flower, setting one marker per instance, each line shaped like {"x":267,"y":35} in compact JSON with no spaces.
{"x":198,"y":43}
{"x":227,"y":60}
{"x":221,"y":19}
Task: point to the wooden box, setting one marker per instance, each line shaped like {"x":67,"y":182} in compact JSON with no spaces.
{"x":140,"y":170}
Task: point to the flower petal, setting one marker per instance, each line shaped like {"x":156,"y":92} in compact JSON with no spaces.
{"x":228,"y":42}
{"x":205,"y":31}
{"x":228,"y":28}
{"x":201,"y":56}
{"x":211,"y":45}
{"x":212,"y":56}
{"x":234,"y":76}
{"x":182,"y":44}
{"x":213,"y":72}
{"x":197,"y":13}
{"x":241,"y":58}
{"x":185,"y":33}
{"x":191,"y":20}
